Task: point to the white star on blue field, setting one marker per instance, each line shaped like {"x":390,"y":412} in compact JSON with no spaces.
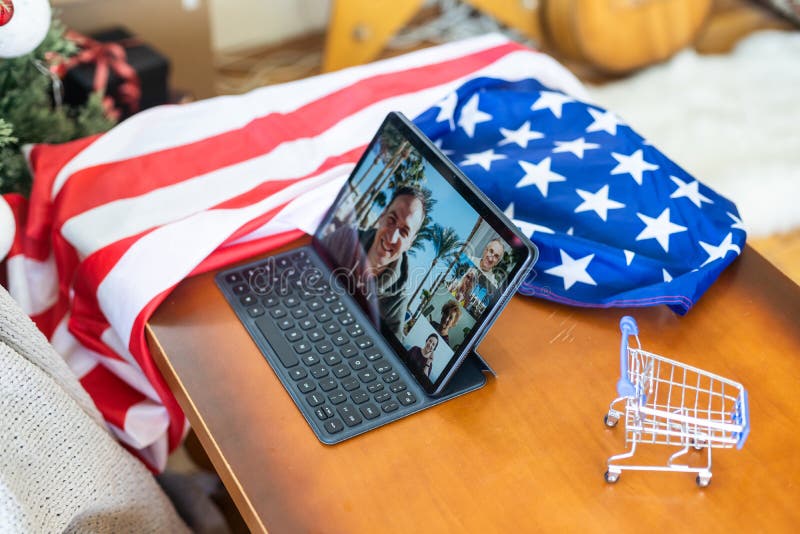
{"x":616,"y":221}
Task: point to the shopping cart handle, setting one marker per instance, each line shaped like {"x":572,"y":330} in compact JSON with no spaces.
{"x":628,"y":327}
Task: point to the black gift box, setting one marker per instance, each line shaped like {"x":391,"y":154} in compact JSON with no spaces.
{"x":151,"y":67}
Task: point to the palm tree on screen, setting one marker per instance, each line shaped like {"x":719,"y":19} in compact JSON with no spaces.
{"x":444,"y":244}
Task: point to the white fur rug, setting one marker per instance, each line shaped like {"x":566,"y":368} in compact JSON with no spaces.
{"x":733,"y":121}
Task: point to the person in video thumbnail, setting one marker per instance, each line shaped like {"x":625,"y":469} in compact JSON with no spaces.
{"x":462,"y":288}
{"x":491,"y":256}
{"x":451,"y":313}
{"x":377,"y":256}
{"x":422,"y":358}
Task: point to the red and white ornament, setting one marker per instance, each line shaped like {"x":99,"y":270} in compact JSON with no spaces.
{"x":6,"y":11}
{"x":25,"y":26}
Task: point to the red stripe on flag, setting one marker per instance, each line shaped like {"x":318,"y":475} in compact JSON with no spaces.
{"x":46,"y":162}
{"x":101,"y":184}
{"x":113,"y":396}
{"x":139,"y":346}
{"x":227,"y":256}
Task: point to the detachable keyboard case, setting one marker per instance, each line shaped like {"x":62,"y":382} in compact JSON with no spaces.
{"x":470,"y":376}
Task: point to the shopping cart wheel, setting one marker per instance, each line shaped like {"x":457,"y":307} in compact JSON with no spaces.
{"x":610,"y":420}
{"x":703,"y":480}
{"x":611,"y":477}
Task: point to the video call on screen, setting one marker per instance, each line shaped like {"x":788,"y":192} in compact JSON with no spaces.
{"x":418,"y":257}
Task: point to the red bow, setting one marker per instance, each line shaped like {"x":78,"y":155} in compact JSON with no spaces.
{"x":106,"y":57}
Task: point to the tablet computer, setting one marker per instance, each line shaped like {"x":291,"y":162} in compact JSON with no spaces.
{"x":427,"y":256}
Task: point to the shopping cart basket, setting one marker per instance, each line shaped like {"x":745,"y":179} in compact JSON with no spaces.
{"x":669,"y":403}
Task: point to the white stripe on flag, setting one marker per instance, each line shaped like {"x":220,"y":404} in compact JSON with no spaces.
{"x":103,"y":225}
{"x":168,"y":127}
{"x":154,"y":454}
{"x":8,"y":228}
{"x":33,"y":284}
{"x":145,"y":423}
{"x":304,"y":212}
{"x":129,"y":371}
{"x":179,"y":248}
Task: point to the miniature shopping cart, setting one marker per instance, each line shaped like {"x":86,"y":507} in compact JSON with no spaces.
{"x":669,"y":403}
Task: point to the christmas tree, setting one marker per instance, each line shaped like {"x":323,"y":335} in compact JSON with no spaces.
{"x":28,"y":113}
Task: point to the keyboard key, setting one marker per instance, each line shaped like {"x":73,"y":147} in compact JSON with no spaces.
{"x":349,"y":414}
{"x":333,"y":426}
{"x":291,"y":302}
{"x":310,"y":359}
{"x":250,"y":272}
{"x":331,"y":328}
{"x":332,"y":359}
{"x":315,"y":335}
{"x":360,"y":397}
{"x":306,"y":324}
{"x":383,"y":396}
{"x":315,"y":399}
{"x":323,"y":316}
{"x":337,"y":398}
{"x":337,"y":308}
{"x":324,"y":347}
{"x":241,"y":289}
{"x":355,"y":330}
{"x":294,"y":335}
{"x":299,"y":313}
{"x":406,"y":398}
{"x":305,"y":294}
{"x":285,"y":323}
{"x":348,"y":351}
{"x":341,"y":371}
{"x":369,"y":411}
{"x":277,"y":313}
{"x":298,"y":373}
{"x":255,"y":311}
{"x":339,"y":339}
{"x":350,"y":384}
{"x":397,"y":388}
{"x":283,"y":290}
{"x":346,"y":319}
{"x":302,"y":347}
{"x":358,"y":363}
{"x":248,"y":300}
{"x":321,"y":414}
{"x":233,"y":278}
{"x":373,"y":355}
{"x":306,"y":385}
{"x":276,"y":341}
{"x":377,"y":386}
{"x":326,"y":384}
{"x":364,"y":343}
{"x":383,"y":368}
{"x":315,"y":305}
{"x":391,"y":377}
{"x":270,"y":301}
{"x":389,"y":407}
{"x":332,"y":297}
{"x":319,"y":371}
{"x":367,"y":376}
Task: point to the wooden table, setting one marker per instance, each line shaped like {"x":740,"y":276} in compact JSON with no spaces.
{"x":528,"y":451}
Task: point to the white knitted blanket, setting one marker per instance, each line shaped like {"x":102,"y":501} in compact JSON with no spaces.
{"x":60,"y":469}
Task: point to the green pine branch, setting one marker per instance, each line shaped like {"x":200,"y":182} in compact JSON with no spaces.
{"x":27,"y":113}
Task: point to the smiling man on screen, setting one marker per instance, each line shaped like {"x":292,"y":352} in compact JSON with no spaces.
{"x":380,"y":260}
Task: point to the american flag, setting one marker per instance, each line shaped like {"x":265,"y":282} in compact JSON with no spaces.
{"x":616,"y":221}
{"x":115,"y":222}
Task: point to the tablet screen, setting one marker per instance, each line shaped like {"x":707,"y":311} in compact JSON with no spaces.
{"x":423,"y":254}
